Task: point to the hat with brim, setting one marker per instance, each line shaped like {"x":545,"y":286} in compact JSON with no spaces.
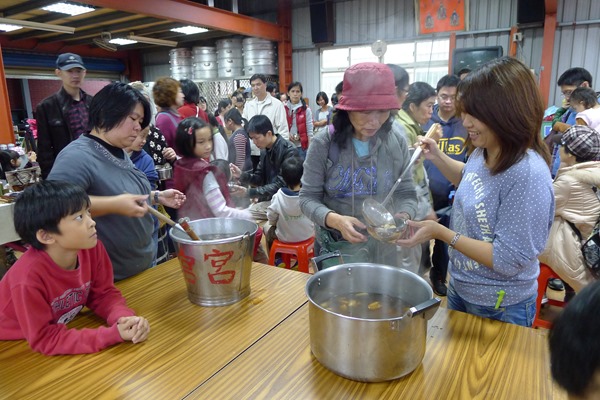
{"x":583,"y":142}
{"x":367,"y":87}
{"x":66,"y":61}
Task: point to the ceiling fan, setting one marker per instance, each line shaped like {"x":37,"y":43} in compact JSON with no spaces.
{"x":103,"y":42}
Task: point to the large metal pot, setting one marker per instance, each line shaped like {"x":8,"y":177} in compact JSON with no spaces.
{"x":369,"y":350}
{"x":263,"y":53}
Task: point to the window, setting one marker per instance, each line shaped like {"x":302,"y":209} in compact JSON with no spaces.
{"x":425,"y":61}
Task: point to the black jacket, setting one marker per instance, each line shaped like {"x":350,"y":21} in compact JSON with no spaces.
{"x":53,"y":129}
{"x":267,"y":176}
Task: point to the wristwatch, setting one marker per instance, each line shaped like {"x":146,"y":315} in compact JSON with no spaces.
{"x":156,"y":192}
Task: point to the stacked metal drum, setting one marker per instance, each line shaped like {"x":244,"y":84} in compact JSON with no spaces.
{"x":204,"y":62}
{"x":181,"y":63}
{"x":229,"y":58}
{"x":260,"y":57}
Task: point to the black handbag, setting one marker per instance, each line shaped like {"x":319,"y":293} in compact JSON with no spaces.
{"x":591,"y":248}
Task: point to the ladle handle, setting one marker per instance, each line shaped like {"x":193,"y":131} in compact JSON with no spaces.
{"x":415,"y":156}
{"x":188,"y":229}
{"x":161,"y":216}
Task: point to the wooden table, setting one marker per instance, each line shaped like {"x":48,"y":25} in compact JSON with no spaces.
{"x":187,"y":343}
{"x":467,"y":357}
{"x":259,"y":348}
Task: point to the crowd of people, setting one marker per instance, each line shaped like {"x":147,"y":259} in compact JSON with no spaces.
{"x":488,"y":200}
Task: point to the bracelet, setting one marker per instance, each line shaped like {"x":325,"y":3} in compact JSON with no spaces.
{"x":454,"y":240}
{"x":156,"y":192}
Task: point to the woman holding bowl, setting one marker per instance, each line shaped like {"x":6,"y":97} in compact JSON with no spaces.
{"x":362,"y":159}
{"x":504,"y":204}
{"x":120,"y":194}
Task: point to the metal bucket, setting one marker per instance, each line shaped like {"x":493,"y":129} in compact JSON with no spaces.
{"x":230,"y":63}
{"x":204,"y":74}
{"x":230,"y":43}
{"x":364,"y":348}
{"x":229,"y":53}
{"x":216,"y":268}
{"x":260,"y":69}
{"x":257,"y":44}
{"x":181,"y":71}
{"x":230,"y":72}
{"x":252,"y":54}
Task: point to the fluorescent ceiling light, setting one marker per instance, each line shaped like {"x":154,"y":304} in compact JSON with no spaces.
{"x":122,"y":41}
{"x":189,"y":30}
{"x":147,"y":40}
{"x":9,"y":27}
{"x":70,"y":9}
{"x":38,"y":25}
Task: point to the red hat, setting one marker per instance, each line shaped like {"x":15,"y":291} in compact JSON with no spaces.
{"x":368,"y":86}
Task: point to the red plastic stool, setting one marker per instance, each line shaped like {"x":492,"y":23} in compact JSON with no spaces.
{"x":546,"y":274}
{"x":301,"y":250}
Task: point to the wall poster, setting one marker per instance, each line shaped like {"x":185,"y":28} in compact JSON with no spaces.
{"x":441,"y":15}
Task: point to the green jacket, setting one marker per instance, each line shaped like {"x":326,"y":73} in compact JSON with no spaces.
{"x":412,"y":129}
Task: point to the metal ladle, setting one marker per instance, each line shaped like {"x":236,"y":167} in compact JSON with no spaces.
{"x":381,"y":223}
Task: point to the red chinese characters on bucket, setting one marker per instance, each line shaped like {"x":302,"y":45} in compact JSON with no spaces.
{"x":218,"y":260}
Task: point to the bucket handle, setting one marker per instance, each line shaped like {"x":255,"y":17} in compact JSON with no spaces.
{"x":316,"y":261}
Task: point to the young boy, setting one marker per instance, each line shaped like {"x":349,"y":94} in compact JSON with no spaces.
{"x":286,"y":222}
{"x":66,"y":269}
{"x":274,"y":150}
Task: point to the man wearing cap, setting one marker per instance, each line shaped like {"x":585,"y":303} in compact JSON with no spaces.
{"x":62,"y":117}
{"x":577,"y":206}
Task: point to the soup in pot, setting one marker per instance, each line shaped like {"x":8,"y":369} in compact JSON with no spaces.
{"x":366,"y":305}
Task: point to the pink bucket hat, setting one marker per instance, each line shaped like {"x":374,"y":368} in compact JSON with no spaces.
{"x":368,"y":86}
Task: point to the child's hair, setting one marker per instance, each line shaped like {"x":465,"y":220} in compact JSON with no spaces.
{"x":291,"y":171}
{"x":223,"y":103}
{"x":235,"y":116}
{"x":586,"y":95}
{"x":185,"y":137}
{"x":212,"y":120}
{"x":574,"y":344}
{"x":43,"y":205}
{"x":260,"y":124}
{"x":6,"y":156}
{"x":222,"y":166}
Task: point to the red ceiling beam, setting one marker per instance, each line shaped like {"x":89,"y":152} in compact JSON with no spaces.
{"x":6,"y":129}
{"x":548,"y":48}
{"x":59,"y":47}
{"x":195,"y":14}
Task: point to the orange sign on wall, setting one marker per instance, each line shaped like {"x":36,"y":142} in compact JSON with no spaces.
{"x":441,"y":15}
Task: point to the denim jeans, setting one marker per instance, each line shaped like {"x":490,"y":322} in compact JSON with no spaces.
{"x":519,"y":314}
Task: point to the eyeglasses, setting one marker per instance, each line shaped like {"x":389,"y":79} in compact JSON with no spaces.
{"x":567,"y":93}
{"x":444,"y":97}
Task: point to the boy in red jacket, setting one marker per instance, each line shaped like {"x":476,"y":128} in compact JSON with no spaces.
{"x":66,"y":269}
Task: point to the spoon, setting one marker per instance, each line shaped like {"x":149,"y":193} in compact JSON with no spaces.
{"x":377,"y":216}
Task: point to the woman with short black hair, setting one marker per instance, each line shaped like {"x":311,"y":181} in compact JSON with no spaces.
{"x":120,"y":194}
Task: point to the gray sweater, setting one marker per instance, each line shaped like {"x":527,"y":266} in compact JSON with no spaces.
{"x":341,"y":186}
{"x":128,"y":241}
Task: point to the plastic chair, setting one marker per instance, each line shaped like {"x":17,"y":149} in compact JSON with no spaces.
{"x":546,"y":274}
{"x":301,"y":251}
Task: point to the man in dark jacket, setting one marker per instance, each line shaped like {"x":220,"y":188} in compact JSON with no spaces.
{"x":274,"y":149}
{"x":62,"y":117}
